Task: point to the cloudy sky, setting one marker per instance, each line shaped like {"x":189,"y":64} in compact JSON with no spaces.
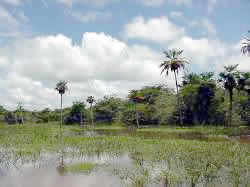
{"x":104,"y":47}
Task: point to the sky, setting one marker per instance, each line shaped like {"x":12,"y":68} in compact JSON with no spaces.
{"x":108,"y":47}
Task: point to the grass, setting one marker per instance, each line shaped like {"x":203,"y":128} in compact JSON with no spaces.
{"x":85,"y":167}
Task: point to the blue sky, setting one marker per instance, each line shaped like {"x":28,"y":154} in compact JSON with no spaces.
{"x":104,"y":47}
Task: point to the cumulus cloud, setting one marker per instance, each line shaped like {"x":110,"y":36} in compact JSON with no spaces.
{"x":208,"y":28}
{"x":90,"y":16}
{"x":94,"y":2}
{"x":13,"y":2}
{"x":33,"y":66}
{"x":176,"y":14}
{"x":159,"y":29}
{"x":14,"y":23}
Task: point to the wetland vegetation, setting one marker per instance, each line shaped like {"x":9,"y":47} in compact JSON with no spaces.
{"x":197,"y":156}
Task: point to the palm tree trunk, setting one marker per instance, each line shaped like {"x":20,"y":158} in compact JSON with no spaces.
{"x":92,"y":116}
{"x":230,"y":107}
{"x":61,"y":113}
{"x":178,"y":99}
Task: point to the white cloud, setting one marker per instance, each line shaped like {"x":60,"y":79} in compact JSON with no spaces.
{"x":211,"y":5}
{"x":7,"y":18}
{"x":157,"y":3}
{"x":158,"y":29}
{"x":33,"y":66}
{"x":14,"y":23}
{"x":13,"y":2}
{"x":208,"y":28}
{"x":206,"y":23}
{"x":90,"y":16}
{"x":176,"y":14}
{"x":95,"y":2}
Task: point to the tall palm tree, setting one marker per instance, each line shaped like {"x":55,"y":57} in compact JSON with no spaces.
{"x":174,"y":63}
{"x":228,"y":77}
{"x":61,"y":87}
{"x":91,"y":100}
{"x":246,"y":46}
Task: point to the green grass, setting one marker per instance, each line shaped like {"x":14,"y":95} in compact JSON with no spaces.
{"x":85,"y":167}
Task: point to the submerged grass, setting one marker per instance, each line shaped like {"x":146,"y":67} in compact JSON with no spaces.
{"x":85,"y":167}
{"x":178,"y":159}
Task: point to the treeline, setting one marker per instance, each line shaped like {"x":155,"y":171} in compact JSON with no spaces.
{"x":200,"y":99}
{"x":204,"y":100}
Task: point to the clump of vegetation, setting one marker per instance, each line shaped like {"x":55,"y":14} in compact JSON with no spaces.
{"x":85,"y":167}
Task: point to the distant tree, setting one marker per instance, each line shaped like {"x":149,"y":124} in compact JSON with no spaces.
{"x":10,"y":118}
{"x":108,"y":109}
{"x":20,"y":111}
{"x":91,"y":100}
{"x":244,"y":82}
{"x":174,"y":63}
{"x":199,"y":98}
{"x":76,"y":114}
{"x":61,"y":87}
{"x":229,"y":79}
{"x":135,"y":98}
{"x":246,"y":46}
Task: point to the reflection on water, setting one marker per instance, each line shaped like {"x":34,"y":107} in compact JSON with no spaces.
{"x":50,"y":178}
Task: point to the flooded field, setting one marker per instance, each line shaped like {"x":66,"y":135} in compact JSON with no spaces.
{"x":46,"y":156}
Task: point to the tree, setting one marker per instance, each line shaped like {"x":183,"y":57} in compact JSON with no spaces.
{"x":135,"y":98}
{"x":108,"y":109}
{"x":91,"y":100}
{"x":198,"y":93}
{"x":20,"y":112}
{"x":61,"y":87}
{"x":76,"y":113}
{"x":246,"y":46}
{"x":228,"y":77}
{"x":174,"y":63}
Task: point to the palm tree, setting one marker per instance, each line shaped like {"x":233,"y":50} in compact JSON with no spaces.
{"x":61,"y":87}
{"x":91,"y":100}
{"x":228,"y":77}
{"x":174,"y":63}
{"x":246,"y":46}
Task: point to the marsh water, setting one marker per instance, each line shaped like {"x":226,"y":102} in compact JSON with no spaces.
{"x":48,"y":169}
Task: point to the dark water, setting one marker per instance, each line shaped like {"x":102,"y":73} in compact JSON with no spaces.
{"x":243,"y":138}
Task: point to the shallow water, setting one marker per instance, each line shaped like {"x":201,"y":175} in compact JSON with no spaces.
{"x":127,"y":169}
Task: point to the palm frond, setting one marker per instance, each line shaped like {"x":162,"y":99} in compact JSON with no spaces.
{"x":174,"y":62}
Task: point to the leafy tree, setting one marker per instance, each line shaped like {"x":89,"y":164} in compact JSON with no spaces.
{"x":61,"y":87}
{"x":199,"y":98}
{"x":174,"y":63}
{"x":91,"y":100}
{"x":228,"y":77}
{"x":135,"y":98}
{"x":246,"y":46}
{"x":244,"y":82}
{"x":244,"y":85}
{"x":165,"y":107}
{"x":107,"y":109}
{"x":20,"y":111}
{"x":10,"y":118}
{"x":76,"y":114}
